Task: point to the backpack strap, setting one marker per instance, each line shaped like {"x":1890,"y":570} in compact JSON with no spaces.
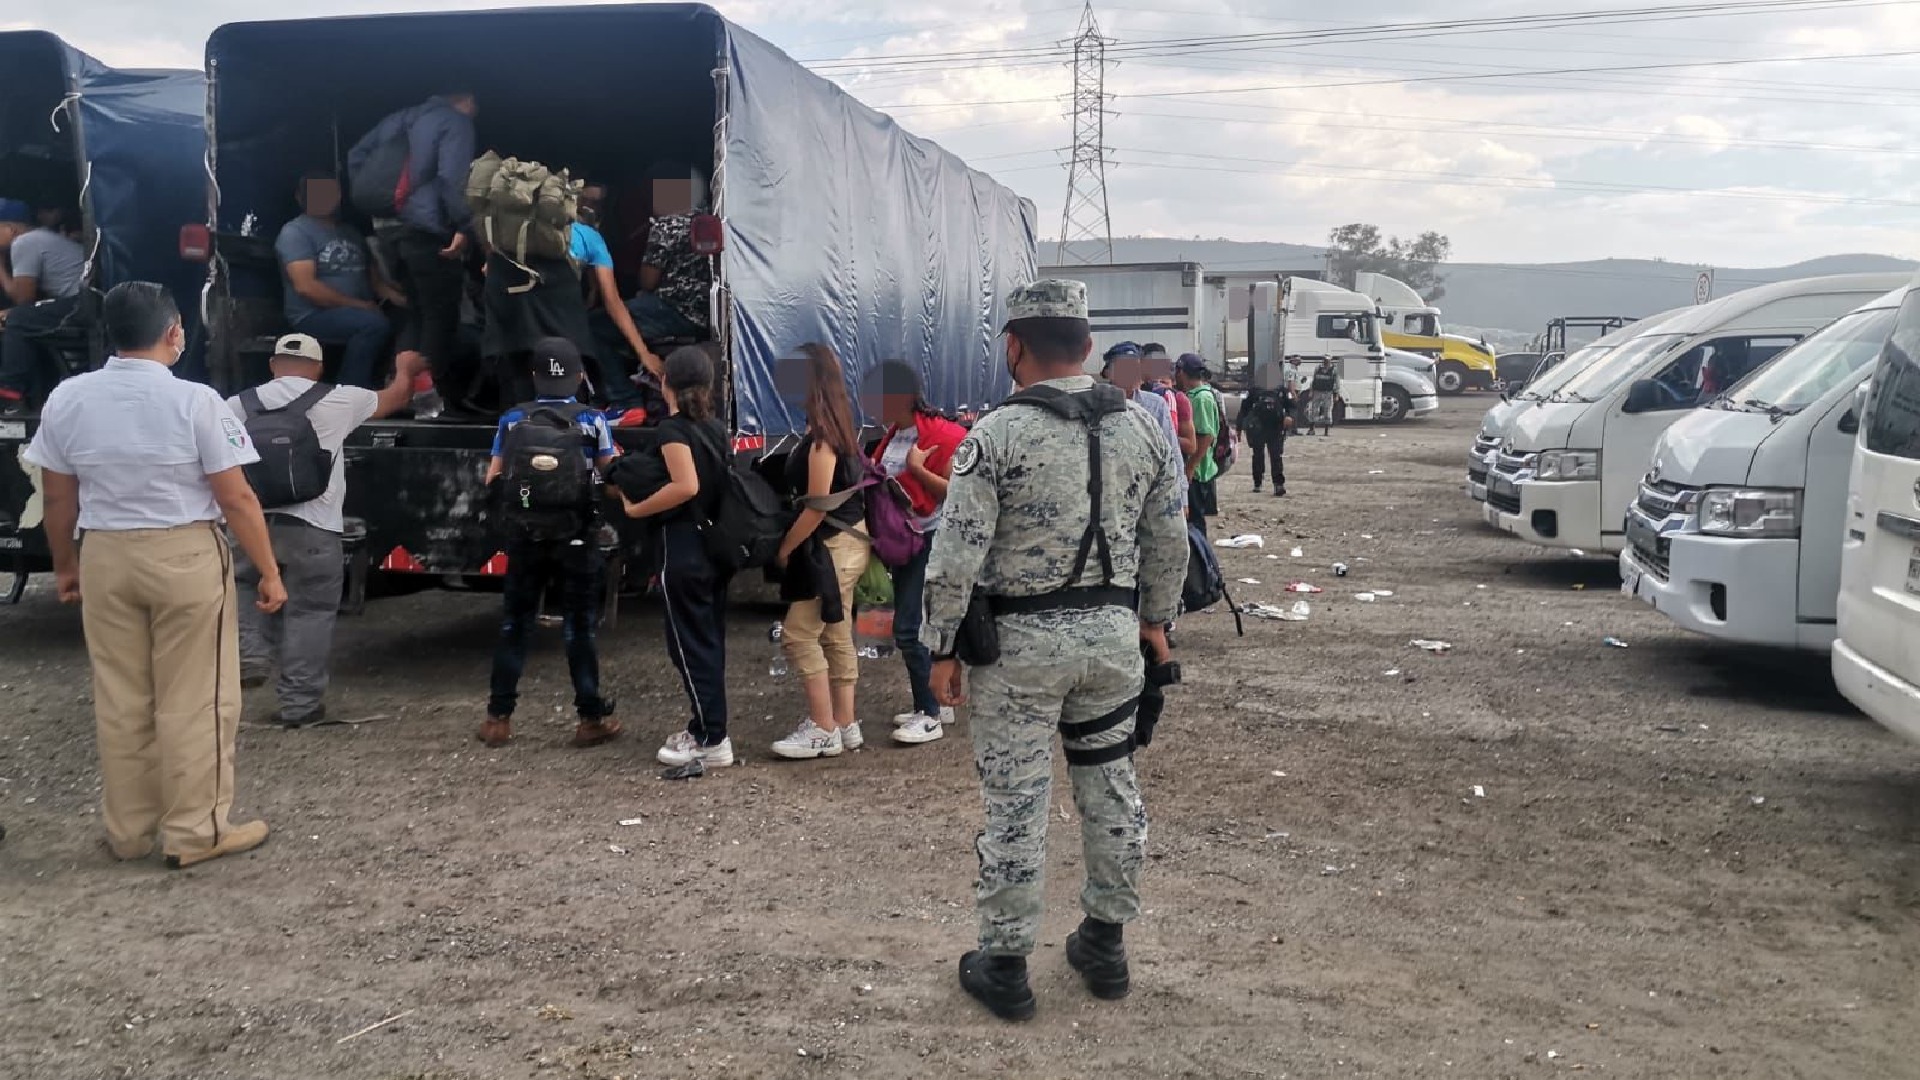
{"x":299,"y":406}
{"x":250,"y":402}
{"x":1089,"y":407}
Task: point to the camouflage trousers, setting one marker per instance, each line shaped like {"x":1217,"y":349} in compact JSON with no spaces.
{"x":1078,"y":673}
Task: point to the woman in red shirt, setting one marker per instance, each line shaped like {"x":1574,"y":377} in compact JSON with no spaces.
{"x":917,"y":451}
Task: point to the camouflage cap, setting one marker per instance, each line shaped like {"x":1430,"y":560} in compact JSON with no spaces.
{"x":1048,"y":298}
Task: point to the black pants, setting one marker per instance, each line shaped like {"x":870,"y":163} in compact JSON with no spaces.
{"x":696,"y":596}
{"x":577,"y":568}
{"x":1203,"y":501}
{"x":1268,"y":444}
{"x":26,"y":367}
{"x":434,"y":288}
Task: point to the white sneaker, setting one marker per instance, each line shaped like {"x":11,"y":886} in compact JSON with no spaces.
{"x":907,"y":718}
{"x":851,"y":738}
{"x":924,"y":729}
{"x":682,"y":748}
{"x":808,"y":742}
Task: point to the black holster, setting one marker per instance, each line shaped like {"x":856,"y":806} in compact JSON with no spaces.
{"x":1152,"y":700}
{"x":977,"y":643}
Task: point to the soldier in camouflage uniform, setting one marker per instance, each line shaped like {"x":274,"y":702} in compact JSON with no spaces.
{"x":1019,"y":526}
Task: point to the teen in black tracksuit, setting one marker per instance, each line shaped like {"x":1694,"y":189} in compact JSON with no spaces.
{"x":694,"y":446}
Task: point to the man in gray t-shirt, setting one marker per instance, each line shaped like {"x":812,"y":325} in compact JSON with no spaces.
{"x":307,"y":536}
{"x":44,"y":273}
{"x":332,"y":286}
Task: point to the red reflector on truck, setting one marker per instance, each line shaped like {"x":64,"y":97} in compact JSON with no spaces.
{"x":196,"y":243}
{"x":706,"y":235}
{"x":399,"y":560}
{"x":747,"y":443}
{"x":496,"y":566}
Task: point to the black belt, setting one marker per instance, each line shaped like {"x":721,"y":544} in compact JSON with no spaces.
{"x":1081,"y":599}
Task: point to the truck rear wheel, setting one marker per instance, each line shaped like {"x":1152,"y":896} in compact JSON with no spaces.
{"x":1451,"y":377}
{"x":1395,"y":405}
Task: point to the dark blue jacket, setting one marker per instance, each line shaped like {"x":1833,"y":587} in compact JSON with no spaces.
{"x":440,"y":151}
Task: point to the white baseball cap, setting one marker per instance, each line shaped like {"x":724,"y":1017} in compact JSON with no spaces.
{"x":304,"y":346}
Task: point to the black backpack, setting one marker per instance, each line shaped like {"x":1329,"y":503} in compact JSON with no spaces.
{"x":293,"y":466}
{"x":380,"y":186}
{"x":549,"y":485}
{"x":747,"y":520}
{"x":1206,"y":585}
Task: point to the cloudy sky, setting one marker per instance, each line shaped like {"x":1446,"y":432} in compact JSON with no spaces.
{"x":1277,"y":119}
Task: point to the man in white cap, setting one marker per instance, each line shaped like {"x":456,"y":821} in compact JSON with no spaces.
{"x":300,"y":425}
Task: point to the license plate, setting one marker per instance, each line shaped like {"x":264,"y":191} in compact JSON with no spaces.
{"x":1491,"y":513}
{"x":1630,"y":585}
{"x":1913,"y":571}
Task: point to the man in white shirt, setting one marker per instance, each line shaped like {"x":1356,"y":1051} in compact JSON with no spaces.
{"x":147,"y":465}
{"x":306,"y":535}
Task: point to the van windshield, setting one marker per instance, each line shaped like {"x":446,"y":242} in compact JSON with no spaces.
{"x":1556,"y":376}
{"x":1803,"y":374}
{"x":1619,"y":368}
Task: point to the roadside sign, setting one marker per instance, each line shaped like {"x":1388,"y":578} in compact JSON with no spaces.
{"x":1703,"y":287}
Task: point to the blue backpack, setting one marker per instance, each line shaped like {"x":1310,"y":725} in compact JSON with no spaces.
{"x":1206,"y":585}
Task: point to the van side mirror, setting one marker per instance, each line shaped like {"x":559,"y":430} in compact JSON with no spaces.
{"x":1850,"y":422}
{"x":1647,"y":395}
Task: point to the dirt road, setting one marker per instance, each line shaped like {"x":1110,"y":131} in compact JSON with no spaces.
{"x":1533,"y":855}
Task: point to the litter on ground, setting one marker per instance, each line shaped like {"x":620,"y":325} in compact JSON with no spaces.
{"x":1432,"y":646}
{"x":1297,"y":553}
{"x":1248,"y":541}
{"x":1248,"y":581}
{"x":1304,"y":587}
{"x":1364,"y":597}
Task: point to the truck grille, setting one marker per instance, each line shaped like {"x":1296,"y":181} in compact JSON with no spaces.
{"x":1477,"y":469}
{"x":1662,"y":500}
{"x":1652,"y":549}
{"x":1505,"y":500}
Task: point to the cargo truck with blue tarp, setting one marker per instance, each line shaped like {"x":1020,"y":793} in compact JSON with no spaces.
{"x":127,"y":150}
{"x":828,"y":221}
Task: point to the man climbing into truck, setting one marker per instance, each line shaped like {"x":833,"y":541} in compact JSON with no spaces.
{"x":409,"y":175}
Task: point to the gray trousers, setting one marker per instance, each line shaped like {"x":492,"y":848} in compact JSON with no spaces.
{"x":1077,"y":673}
{"x":299,"y":637}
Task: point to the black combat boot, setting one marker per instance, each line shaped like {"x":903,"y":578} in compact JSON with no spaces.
{"x":999,"y":983}
{"x":1095,"y":951}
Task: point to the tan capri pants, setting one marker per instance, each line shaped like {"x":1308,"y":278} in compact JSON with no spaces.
{"x":162,"y":632}
{"x":817,"y":648}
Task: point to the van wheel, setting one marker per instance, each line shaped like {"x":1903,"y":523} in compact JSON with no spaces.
{"x":1395,"y":405}
{"x":1451,"y":378}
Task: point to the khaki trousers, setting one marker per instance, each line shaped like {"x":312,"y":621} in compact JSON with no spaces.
{"x":814,"y":647}
{"x":162,"y":632}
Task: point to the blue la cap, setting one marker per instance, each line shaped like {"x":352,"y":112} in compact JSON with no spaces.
{"x":1192,"y":364}
{"x":16,"y":212}
{"x":1125,"y":348}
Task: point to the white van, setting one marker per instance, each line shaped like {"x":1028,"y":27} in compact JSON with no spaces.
{"x":1736,"y":530}
{"x":1498,"y":419}
{"x":1876,"y":660}
{"x":1570,"y":467}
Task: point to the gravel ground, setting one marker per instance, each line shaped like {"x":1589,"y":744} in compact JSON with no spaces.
{"x":1531,"y":855}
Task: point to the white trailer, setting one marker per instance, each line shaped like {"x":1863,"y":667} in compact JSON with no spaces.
{"x":1142,"y":303}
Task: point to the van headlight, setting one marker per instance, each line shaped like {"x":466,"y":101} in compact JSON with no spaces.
{"x":1750,"y":512}
{"x":1569,"y":465}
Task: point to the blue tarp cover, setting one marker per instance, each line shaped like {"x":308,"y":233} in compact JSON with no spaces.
{"x":841,"y":226}
{"x":142,"y":136}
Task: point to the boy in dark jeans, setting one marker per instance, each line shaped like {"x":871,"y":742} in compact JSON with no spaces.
{"x":550,"y":508}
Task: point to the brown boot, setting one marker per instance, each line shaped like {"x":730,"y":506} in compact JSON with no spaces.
{"x":235,"y":840}
{"x":595,"y":732}
{"x":130,"y":850}
{"x":497,"y":731}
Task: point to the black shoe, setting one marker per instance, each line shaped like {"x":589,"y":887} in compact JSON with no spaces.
{"x":291,"y":723}
{"x":999,"y":983}
{"x":1096,"y":952}
{"x":1279,"y":493}
{"x":1256,"y":487}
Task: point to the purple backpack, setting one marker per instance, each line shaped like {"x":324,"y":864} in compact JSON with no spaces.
{"x":890,"y":528}
{"x":890,"y":519}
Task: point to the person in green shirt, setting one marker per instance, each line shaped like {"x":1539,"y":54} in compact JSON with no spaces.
{"x":1191,"y":375}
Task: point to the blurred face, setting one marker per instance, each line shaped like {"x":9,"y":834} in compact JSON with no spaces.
{"x":672,"y":198}
{"x":1158,"y":367}
{"x":321,"y":198}
{"x":465,"y":104}
{"x":1127,"y":372}
{"x":593,"y":204}
{"x":8,"y":231}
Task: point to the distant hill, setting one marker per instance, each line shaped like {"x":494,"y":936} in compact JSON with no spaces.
{"x":1519,"y":297}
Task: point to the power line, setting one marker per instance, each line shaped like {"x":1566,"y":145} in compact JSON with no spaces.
{"x":1378,"y":31}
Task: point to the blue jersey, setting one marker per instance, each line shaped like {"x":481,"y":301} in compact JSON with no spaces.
{"x":596,"y":434}
{"x":588,"y":247}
